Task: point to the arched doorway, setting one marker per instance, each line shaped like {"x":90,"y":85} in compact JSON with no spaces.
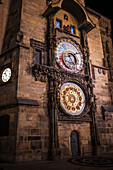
{"x":74,"y":139}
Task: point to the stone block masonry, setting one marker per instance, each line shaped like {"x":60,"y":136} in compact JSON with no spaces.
{"x":65,"y":130}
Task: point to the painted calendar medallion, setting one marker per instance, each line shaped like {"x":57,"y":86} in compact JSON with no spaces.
{"x":72,"y":99}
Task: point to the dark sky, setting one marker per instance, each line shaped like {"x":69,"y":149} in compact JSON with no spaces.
{"x":102,"y":6}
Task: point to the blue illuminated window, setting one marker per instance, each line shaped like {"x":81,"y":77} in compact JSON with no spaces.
{"x":72,"y":30}
{"x":58,"y":23}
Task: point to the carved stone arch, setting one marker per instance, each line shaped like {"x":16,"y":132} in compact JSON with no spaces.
{"x":79,"y":12}
{"x":75,"y":9}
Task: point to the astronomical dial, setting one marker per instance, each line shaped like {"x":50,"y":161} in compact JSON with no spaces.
{"x":6,"y":75}
{"x":69,"y":56}
{"x":72,"y":99}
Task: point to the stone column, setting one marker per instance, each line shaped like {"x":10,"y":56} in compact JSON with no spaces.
{"x":52,"y":91}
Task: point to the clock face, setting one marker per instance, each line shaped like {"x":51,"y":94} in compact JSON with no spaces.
{"x":6,"y":75}
{"x":69,"y":56}
{"x":72,"y":99}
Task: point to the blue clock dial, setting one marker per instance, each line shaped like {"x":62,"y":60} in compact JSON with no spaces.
{"x":69,"y":56}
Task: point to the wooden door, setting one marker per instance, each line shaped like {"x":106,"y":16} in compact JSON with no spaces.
{"x":74,"y":143}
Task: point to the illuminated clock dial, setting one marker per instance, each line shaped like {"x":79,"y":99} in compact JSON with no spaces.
{"x":6,"y":75}
{"x":72,"y":99}
{"x":69,"y":56}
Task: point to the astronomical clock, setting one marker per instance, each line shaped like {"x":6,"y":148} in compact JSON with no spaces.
{"x":66,"y":64}
{"x":70,"y":60}
{"x":69,"y":56}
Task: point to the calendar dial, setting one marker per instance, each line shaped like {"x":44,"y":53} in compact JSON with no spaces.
{"x":72,"y":99}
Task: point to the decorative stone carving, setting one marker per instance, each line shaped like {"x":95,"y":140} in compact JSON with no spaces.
{"x":19,"y":36}
{"x":42,"y":72}
{"x":37,"y":44}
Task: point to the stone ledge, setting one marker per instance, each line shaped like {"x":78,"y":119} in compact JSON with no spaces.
{"x":28,"y":102}
{"x":20,"y":101}
{"x":108,"y":108}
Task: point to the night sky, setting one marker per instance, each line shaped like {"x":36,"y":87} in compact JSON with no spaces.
{"x":102,"y":6}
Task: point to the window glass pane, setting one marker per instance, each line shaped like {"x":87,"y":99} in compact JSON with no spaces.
{"x":72,"y":30}
{"x":58,"y":23}
{"x":37,"y":57}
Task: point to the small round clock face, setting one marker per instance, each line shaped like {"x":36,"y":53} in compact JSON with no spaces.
{"x":69,"y":56}
{"x":6,"y":75}
{"x":72,"y":99}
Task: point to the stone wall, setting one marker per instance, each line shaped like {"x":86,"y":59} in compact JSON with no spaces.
{"x":8,"y":143}
{"x":101,"y":84}
{"x":12,"y":25}
{"x":32,"y":134}
{"x":33,"y":122}
{"x":83,"y":130}
{"x":4,"y":9}
{"x":105,"y":131}
{"x":95,"y":43}
{"x":106,"y":36}
{"x":33,"y":24}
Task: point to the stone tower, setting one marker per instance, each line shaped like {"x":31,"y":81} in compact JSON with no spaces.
{"x":55,"y":81}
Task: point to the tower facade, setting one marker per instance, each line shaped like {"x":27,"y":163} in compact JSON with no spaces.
{"x":55,"y":81}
